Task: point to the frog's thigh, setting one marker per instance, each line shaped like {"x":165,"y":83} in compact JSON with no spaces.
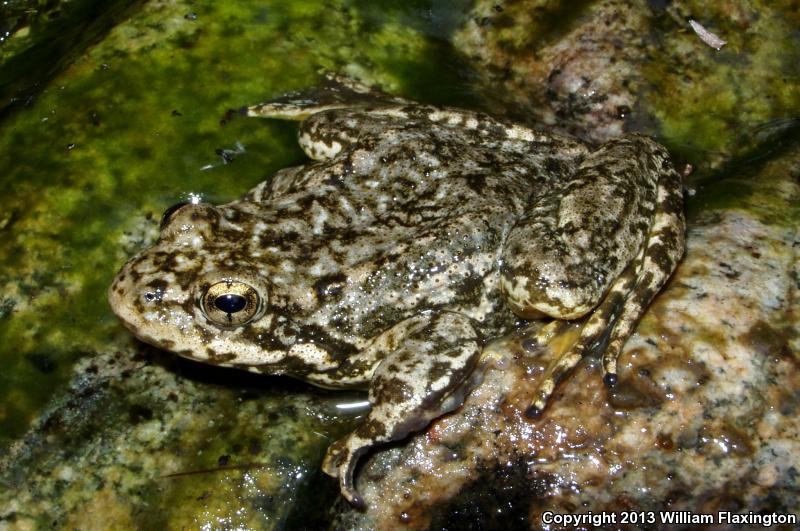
{"x":580,"y":233}
{"x":326,"y":134}
{"x":426,"y":373}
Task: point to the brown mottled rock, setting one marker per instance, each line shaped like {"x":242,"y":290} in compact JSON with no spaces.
{"x":598,"y":69}
{"x":581,"y":77}
{"x":704,"y":417}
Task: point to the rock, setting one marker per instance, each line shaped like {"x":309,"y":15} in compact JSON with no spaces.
{"x":605,"y":67}
{"x":142,"y":439}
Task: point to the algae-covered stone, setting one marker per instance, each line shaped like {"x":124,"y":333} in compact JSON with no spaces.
{"x":143,"y":440}
{"x":597,"y":69}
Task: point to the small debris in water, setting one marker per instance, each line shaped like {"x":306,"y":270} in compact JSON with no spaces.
{"x":70,"y":146}
{"x":706,"y":36}
{"x":228,"y":155}
{"x":229,"y":115}
{"x":190,"y":16}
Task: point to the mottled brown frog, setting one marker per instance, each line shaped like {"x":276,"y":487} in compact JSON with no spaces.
{"x":416,"y":233}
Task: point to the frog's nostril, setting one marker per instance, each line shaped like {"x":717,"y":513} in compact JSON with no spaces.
{"x":153,"y":296}
{"x":169,"y":212}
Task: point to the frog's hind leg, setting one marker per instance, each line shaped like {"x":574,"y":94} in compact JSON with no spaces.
{"x":614,"y":319}
{"x":591,"y":332}
{"x":426,"y":372}
{"x":665,"y":247}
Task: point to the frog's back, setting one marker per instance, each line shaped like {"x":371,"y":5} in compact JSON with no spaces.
{"x":380,"y":233}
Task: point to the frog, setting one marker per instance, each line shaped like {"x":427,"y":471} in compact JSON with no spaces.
{"x":414,"y":234}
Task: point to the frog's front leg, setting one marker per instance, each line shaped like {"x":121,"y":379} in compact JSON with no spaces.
{"x":426,"y":371}
{"x":606,"y":239}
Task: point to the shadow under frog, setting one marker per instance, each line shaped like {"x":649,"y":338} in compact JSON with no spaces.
{"x":415,"y":234}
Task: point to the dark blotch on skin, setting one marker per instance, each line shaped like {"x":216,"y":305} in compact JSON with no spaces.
{"x":330,"y":286}
{"x":392,"y":390}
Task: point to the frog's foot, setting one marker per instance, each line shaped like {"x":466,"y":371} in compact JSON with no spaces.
{"x":570,"y":354}
{"x":614,"y":319}
{"x":426,"y":374}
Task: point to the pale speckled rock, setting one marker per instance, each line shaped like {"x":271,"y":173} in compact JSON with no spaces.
{"x":582,"y":82}
{"x":704,"y":417}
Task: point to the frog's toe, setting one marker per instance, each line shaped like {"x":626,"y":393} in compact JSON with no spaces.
{"x":610,"y":379}
{"x":340,"y":462}
{"x":534,"y":411}
{"x":333,"y":459}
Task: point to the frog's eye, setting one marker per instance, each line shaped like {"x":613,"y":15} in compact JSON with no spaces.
{"x":230,"y":303}
{"x":168,"y":213}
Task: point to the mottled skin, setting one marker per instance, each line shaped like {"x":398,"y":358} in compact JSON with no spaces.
{"x":386,"y":262}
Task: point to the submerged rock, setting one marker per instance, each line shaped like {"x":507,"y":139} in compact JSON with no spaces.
{"x":597,"y":69}
{"x":141,"y":439}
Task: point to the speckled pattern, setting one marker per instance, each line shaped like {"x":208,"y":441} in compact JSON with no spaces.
{"x":385,"y":262}
{"x":704,"y":417}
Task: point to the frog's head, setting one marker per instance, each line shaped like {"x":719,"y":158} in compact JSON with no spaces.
{"x":196,"y":293}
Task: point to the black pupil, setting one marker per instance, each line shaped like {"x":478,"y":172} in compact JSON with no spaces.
{"x":230,"y":303}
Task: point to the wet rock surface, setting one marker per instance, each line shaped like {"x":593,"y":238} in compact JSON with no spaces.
{"x":142,"y":439}
{"x":597,"y":69}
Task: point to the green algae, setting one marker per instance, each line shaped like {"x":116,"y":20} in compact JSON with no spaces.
{"x":45,"y":36}
{"x":758,"y":187}
{"x":716,"y":105}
